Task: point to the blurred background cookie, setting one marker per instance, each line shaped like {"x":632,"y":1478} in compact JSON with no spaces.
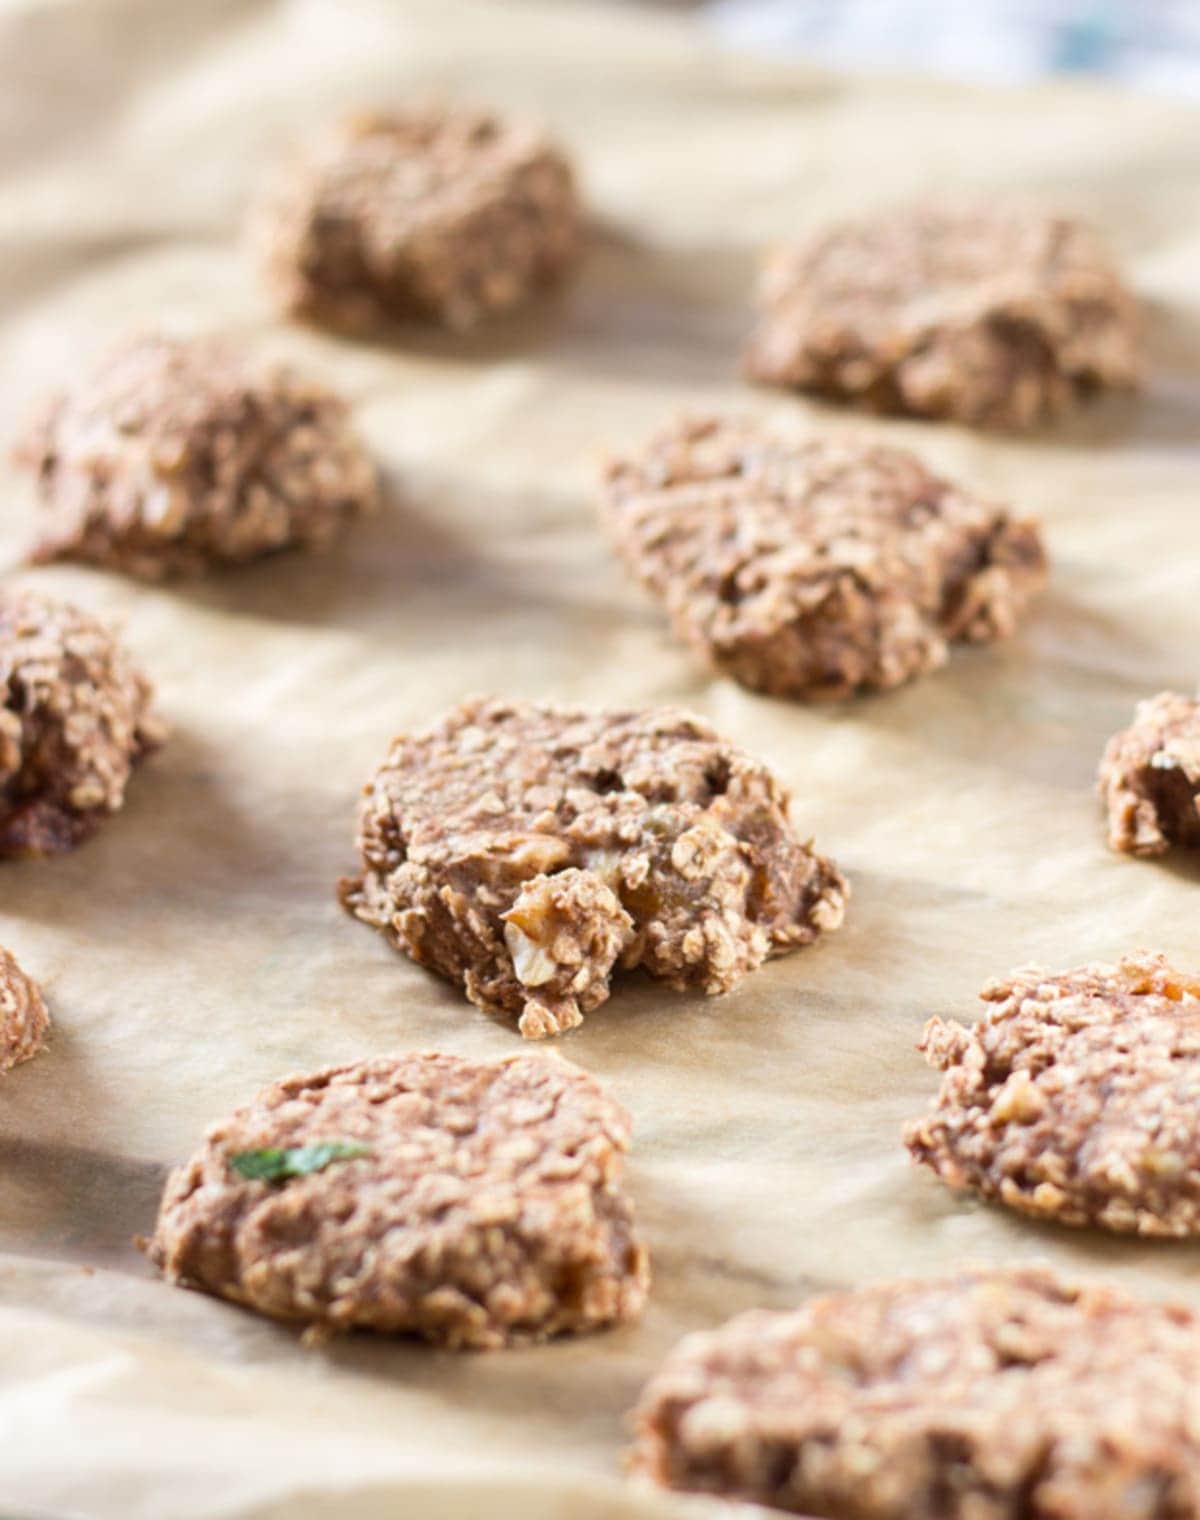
{"x":75,"y":719}
{"x":816,"y":569}
{"x":988,"y":315}
{"x":175,"y":456}
{"x":428,"y":213}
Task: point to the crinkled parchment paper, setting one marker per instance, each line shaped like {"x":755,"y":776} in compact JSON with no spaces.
{"x":193,"y":951}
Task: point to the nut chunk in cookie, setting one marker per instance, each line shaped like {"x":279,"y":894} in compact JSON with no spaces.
{"x":425,"y":214}
{"x":74,"y":721}
{"x":990,"y":1394}
{"x":24,"y":1020}
{"x":472,"y":1203}
{"x":525,"y":851}
{"x":175,"y":455}
{"x":1149,"y":780}
{"x":816,"y":569}
{"x":1075,"y":1097}
{"x":992,"y":316}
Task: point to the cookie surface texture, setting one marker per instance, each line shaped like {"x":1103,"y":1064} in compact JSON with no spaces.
{"x":24,"y":1021}
{"x":472,"y":1203}
{"x":816,"y":569}
{"x":525,"y":851}
{"x":986,"y":1395}
{"x":1076,"y":1097}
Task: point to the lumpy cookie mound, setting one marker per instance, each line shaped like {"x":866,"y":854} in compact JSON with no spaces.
{"x":524,"y":851}
{"x":816,"y":569}
{"x":178,"y":455}
{"x":1075,"y":1097}
{"x":428,"y":214}
{"x":1149,"y":779}
{"x":985,"y":1395}
{"x":24,"y":1020}
{"x":473,"y":1203}
{"x":983,"y":315}
{"x":74,"y":721}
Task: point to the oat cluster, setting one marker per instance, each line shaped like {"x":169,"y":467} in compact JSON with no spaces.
{"x":524,"y":851}
{"x":427,"y":214}
{"x":175,"y":456}
{"x":1149,"y":779}
{"x":816,"y":569}
{"x":988,"y":316}
{"x":24,"y":1020}
{"x":989,"y":1395}
{"x":1075,"y":1097}
{"x":487,"y":1210}
{"x":74,"y":721}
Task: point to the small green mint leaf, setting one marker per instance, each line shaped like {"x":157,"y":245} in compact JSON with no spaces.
{"x":276,"y":1164}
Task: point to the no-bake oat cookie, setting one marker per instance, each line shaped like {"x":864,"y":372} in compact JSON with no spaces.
{"x":985,"y":315}
{"x":525,"y":851}
{"x":74,"y":721}
{"x":1149,"y":778}
{"x":24,"y":1020}
{"x":816,"y":569}
{"x":987,"y":1395}
{"x":428,"y":214}
{"x":177,"y":455}
{"x":1076,"y":1097}
{"x":473,"y":1203}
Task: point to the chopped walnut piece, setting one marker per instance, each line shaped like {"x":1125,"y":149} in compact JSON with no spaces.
{"x":816,"y":569}
{"x":1149,"y":780}
{"x":74,"y":721}
{"x":474,"y":1203}
{"x":426,"y":213}
{"x":989,"y":315}
{"x":24,"y":1020}
{"x":990,"y":1394}
{"x":520,"y":849}
{"x":177,"y":455}
{"x":1076,"y":1097}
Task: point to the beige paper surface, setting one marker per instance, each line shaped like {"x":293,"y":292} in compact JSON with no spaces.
{"x":193,"y":951}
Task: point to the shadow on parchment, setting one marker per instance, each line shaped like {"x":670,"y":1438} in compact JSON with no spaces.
{"x":179,"y":793}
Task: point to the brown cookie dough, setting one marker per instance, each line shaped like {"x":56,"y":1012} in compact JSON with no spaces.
{"x":1075,"y":1097}
{"x":1149,"y":779}
{"x":986,"y":1395}
{"x":175,"y":456}
{"x":985,"y":315}
{"x":524,"y":851}
{"x":474,"y":1203}
{"x":74,"y":721}
{"x":428,"y":214}
{"x":23,"y":1017}
{"x":815,"y":569}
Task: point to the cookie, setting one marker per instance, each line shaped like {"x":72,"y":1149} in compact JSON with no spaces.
{"x":75,"y":720}
{"x":24,"y":1020}
{"x":1149,"y":779}
{"x":175,"y":456}
{"x":424,"y":214}
{"x":815,"y":569}
{"x":472,"y":1203}
{"x":1075,"y":1097}
{"x":993,"y":316}
{"x":525,"y":851}
{"x":985,"y":1395}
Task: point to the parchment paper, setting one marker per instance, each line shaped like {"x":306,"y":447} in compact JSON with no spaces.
{"x":193,"y":951}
